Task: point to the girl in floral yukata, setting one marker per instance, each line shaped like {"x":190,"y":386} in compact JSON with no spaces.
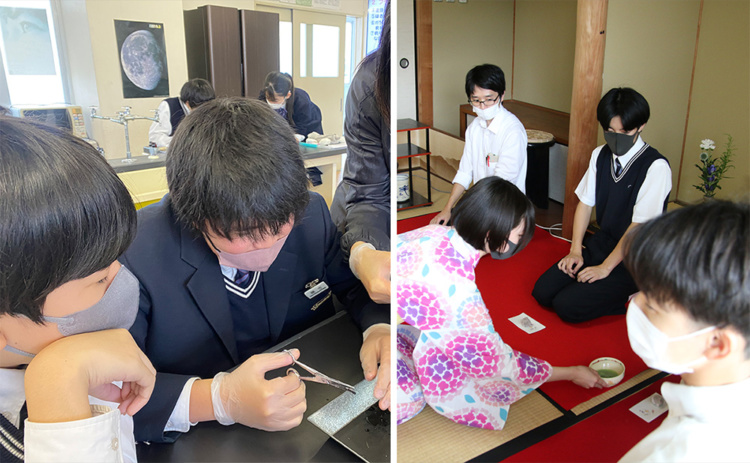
{"x":449,"y":355}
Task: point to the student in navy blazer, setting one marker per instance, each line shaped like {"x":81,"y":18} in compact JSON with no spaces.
{"x":196,"y":319}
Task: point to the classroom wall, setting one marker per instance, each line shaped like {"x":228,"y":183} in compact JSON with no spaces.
{"x":101,"y":16}
{"x":721,"y":97}
{"x":95,"y":71}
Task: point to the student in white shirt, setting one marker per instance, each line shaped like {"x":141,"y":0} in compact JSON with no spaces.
{"x":65,"y":217}
{"x":173,"y":110}
{"x":692,"y":318}
{"x":495,"y":141}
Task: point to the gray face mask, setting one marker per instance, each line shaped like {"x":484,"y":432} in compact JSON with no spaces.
{"x":620,"y":143}
{"x":504,"y":255}
{"x":116,"y":309}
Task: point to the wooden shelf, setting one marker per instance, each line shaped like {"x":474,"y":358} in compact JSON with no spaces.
{"x":532,"y":117}
{"x":409,"y":150}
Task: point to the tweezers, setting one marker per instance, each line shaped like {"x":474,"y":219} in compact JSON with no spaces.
{"x":317,"y":376}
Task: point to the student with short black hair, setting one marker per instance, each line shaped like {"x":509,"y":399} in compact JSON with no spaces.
{"x":291,"y":103}
{"x":628,"y":182}
{"x":171,"y":111}
{"x":65,"y":302}
{"x":495,"y":141}
{"x":446,"y":318}
{"x":692,"y":318}
{"x":226,"y":261}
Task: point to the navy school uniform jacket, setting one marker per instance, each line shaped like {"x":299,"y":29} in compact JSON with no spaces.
{"x":306,"y":115}
{"x":184,"y":324}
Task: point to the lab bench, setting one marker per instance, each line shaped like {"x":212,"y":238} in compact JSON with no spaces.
{"x":146,"y":179}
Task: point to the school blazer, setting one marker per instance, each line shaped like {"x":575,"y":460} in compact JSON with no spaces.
{"x":184,"y":324}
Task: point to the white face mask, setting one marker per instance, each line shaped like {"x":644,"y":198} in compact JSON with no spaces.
{"x":276,"y":105}
{"x":488,"y":113}
{"x":651,"y":345}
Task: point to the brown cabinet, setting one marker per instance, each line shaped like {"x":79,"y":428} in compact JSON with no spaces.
{"x":233,"y":49}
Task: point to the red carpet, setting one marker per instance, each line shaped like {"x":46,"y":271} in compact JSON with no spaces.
{"x":585,"y":441}
{"x":506,"y":289}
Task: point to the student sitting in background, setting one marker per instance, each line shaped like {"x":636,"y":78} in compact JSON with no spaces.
{"x":451,"y":357}
{"x":628,"y":182}
{"x":293,"y":104}
{"x":171,"y":111}
{"x":495,"y":141}
{"x":692,"y":318}
{"x":65,"y":217}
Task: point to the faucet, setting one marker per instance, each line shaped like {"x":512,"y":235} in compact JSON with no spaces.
{"x":123,"y":117}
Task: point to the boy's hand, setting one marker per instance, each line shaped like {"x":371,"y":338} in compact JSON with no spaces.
{"x":60,"y":378}
{"x":373,"y":268}
{"x":592,"y":274}
{"x":376,"y":348}
{"x":249,"y":399}
{"x":571,"y":263}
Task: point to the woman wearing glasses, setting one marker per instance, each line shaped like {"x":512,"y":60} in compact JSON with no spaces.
{"x":495,"y":140}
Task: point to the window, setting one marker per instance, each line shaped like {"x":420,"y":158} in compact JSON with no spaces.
{"x":322,"y":43}
{"x":30,"y":59}
{"x":285,"y":47}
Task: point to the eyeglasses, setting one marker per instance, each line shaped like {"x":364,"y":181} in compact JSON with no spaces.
{"x":486,"y":102}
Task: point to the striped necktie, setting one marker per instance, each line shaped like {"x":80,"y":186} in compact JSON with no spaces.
{"x":241,"y":278}
{"x":11,"y":440}
{"x":618,"y":167}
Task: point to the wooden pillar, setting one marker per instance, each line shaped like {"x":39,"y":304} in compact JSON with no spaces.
{"x":587,"y":91}
{"x":423,"y":44}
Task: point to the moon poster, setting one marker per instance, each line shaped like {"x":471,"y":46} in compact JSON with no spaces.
{"x":143,"y":59}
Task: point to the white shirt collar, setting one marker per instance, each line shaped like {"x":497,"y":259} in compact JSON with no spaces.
{"x":12,"y":395}
{"x":707,"y":403}
{"x":625,"y":158}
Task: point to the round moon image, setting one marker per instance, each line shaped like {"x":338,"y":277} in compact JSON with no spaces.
{"x":141,"y":58}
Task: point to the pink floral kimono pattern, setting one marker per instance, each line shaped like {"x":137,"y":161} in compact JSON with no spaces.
{"x":449,"y":355}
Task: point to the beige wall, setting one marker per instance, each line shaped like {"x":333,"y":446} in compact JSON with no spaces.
{"x":463,"y":36}
{"x":481,"y":31}
{"x":649,"y":47}
{"x":545,"y":49}
{"x":721,"y":96}
{"x":101,"y":16}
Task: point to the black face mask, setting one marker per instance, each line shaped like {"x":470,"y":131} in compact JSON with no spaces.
{"x":504,"y":255}
{"x":620,"y":143}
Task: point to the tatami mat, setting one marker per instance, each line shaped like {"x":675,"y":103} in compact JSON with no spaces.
{"x":589,"y":404}
{"x":434,"y":438}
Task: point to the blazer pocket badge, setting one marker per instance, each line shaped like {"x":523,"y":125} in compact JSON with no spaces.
{"x":316,"y":288}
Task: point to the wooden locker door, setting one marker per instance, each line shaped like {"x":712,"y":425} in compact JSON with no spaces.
{"x":217,"y":57}
{"x":260,"y":48}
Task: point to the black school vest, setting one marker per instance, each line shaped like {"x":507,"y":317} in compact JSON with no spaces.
{"x":176,"y":114}
{"x":615,"y":196}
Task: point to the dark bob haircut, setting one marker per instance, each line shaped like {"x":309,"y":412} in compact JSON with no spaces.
{"x":625,"y":102}
{"x":489,"y":211}
{"x":486,"y":76}
{"x":64,"y":214}
{"x":697,"y":258}
{"x":234,"y":168}
{"x":196,"y":92}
